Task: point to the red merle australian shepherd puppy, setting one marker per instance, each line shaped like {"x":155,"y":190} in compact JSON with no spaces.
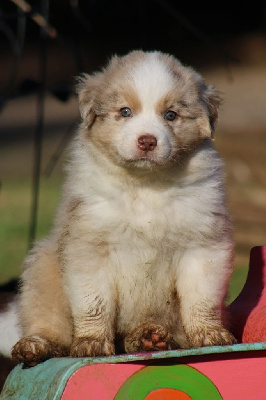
{"x":141,"y":248}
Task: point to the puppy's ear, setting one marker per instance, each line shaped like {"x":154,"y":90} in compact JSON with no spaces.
{"x":212,"y":100}
{"x":86,"y":89}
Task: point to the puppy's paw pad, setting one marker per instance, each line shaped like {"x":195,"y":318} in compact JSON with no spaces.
{"x":149,"y":338}
{"x":32,"y":350}
{"x":86,"y":347}
{"x":155,"y":341}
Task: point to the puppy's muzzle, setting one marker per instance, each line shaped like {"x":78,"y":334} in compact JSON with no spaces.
{"x":147,"y":142}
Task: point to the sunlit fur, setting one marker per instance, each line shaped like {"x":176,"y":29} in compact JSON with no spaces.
{"x":140,"y":237}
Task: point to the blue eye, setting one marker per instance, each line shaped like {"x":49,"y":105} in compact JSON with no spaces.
{"x":170,"y":115}
{"x":126,"y":112}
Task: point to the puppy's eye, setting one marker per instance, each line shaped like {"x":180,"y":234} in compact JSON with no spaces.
{"x":170,"y":115}
{"x":126,"y":112}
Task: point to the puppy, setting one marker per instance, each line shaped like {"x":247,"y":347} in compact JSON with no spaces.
{"x":141,"y":249}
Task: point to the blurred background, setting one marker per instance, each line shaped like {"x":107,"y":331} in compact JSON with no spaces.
{"x":44,"y":45}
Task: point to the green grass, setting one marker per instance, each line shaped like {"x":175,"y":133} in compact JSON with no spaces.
{"x":237,"y":282}
{"x":15,"y":203}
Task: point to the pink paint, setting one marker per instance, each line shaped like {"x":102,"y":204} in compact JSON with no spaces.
{"x":237,"y":379}
{"x":98,"y":381}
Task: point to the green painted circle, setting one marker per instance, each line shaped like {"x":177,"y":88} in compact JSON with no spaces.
{"x":180,"y":377}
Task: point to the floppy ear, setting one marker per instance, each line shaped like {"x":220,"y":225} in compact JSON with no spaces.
{"x":86,"y":89}
{"x":212,"y":101}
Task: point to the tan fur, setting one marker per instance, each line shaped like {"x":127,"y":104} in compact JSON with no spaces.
{"x":141,"y":249}
{"x":41,"y":291}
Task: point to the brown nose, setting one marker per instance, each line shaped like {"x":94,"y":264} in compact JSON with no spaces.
{"x":147,"y":142}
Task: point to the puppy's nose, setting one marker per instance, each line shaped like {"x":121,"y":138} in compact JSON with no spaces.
{"x":147,"y":142}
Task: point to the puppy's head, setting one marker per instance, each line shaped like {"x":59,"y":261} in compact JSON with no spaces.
{"x":146,"y":109}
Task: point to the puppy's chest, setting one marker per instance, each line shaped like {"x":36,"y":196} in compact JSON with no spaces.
{"x":147,"y":215}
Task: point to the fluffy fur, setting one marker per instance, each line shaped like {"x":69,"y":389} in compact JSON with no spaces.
{"x":141,"y":250}
{"x":9,"y":332}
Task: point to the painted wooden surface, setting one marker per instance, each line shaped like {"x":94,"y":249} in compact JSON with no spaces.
{"x":226,"y":378}
{"x":219,"y":372}
{"x":249,"y":309}
{"x":209,"y":373}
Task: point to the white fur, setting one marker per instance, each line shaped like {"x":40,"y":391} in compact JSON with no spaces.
{"x":10,"y":332}
{"x":152,"y":80}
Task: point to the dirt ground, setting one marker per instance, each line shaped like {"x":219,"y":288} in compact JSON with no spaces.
{"x":240,"y":138}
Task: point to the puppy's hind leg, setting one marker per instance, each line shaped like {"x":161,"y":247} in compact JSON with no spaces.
{"x":44,"y":311}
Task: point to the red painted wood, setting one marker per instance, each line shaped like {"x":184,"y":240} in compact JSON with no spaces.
{"x":99,"y":381}
{"x":237,"y":379}
{"x":248,"y":311}
{"x":236,"y":376}
{"x":167,"y":394}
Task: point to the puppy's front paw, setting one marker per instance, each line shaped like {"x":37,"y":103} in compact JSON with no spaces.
{"x":86,"y":347}
{"x":32,"y":350}
{"x":211,"y":337}
{"x":149,"y":337}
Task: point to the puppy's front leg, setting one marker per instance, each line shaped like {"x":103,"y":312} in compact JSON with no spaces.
{"x":202,"y":278}
{"x":93,"y":311}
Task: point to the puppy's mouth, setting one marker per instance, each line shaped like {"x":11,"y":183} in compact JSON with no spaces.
{"x":140,"y":164}
{"x":146,"y":155}
{"x":146,"y":160}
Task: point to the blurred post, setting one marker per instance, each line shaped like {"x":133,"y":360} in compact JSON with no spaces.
{"x":40,"y":125}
